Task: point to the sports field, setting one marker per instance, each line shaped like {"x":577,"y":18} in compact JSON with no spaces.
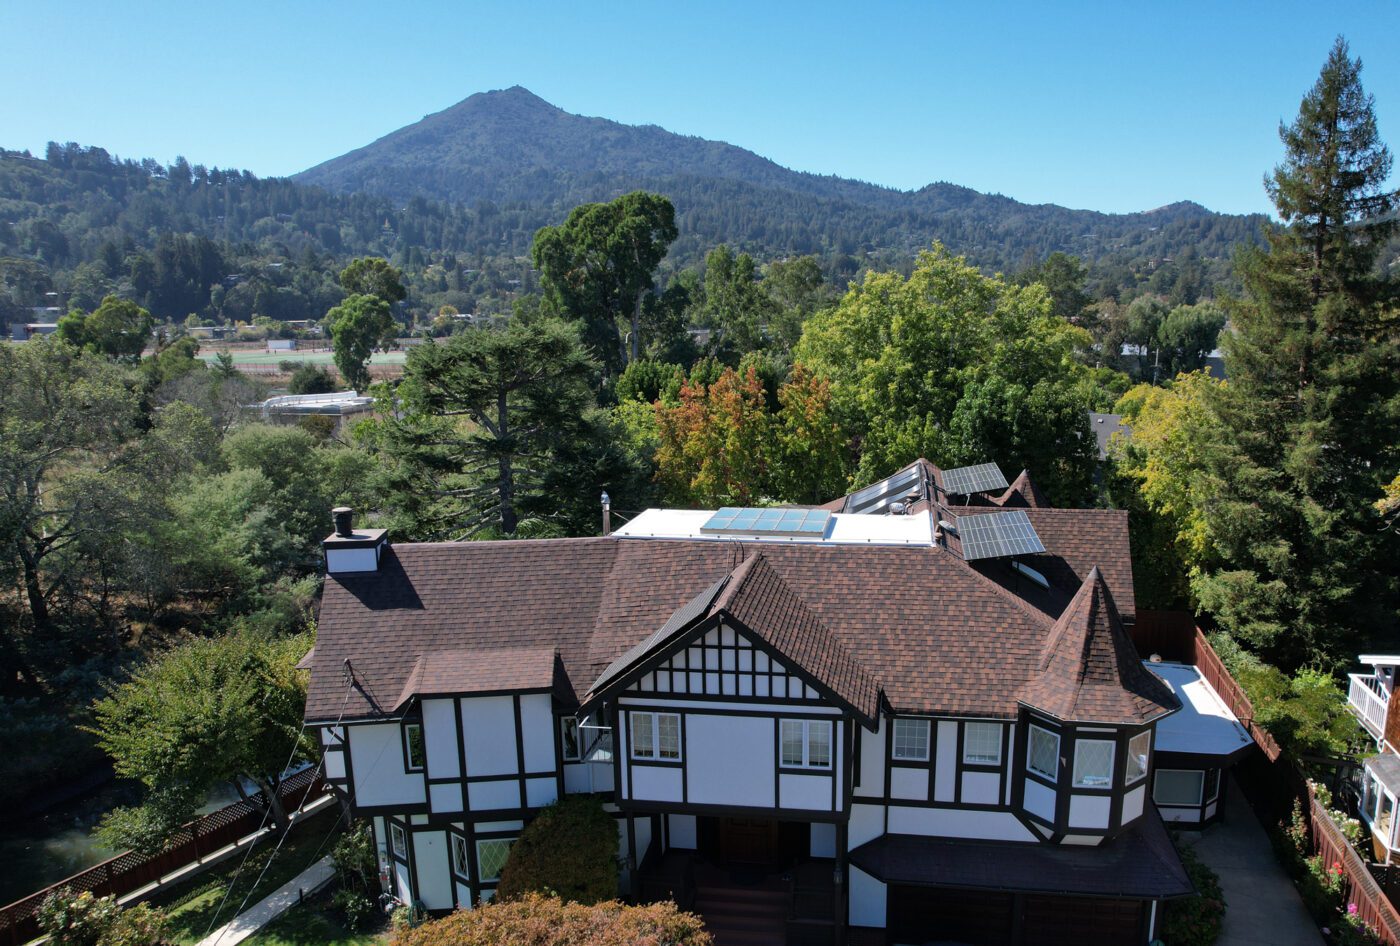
{"x":261,"y":356}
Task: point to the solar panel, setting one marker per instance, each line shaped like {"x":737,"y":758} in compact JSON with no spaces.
{"x":998,"y":535}
{"x":966,"y":480}
{"x":799,"y":523}
{"x":879,"y":495}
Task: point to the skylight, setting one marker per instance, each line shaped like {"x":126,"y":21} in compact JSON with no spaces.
{"x":732,"y":520}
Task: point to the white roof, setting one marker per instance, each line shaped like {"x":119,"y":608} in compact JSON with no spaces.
{"x":1380,"y":660}
{"x":1204,"y":725}
{"x":914,"y":529}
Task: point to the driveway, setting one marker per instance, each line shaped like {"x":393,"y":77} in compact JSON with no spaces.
{"x":1263,"y":907}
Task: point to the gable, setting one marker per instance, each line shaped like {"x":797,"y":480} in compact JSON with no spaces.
{"x":720,"y":660}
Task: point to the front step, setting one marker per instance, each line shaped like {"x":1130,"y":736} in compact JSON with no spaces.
{"x":743,"y":916}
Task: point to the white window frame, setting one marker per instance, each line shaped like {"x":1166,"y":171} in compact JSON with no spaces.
{"x":508,"y":841}
{"x":1094,"y":780}
{"x":565,"y":724}
{"x":1200,"y":792}
{"x":808,"y":727}
{"x":398,"y":840}
{"x":975,"y":758}
{"x":409,"y":726}
{"x":1030,"y":752}
{"x":923,"y":730}
{"x":1137,"y":760}
{"x":459,"y":854}
{"x":657,"y":752}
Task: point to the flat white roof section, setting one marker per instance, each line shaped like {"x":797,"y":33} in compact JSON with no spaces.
{"x":1381,"y":660}
{"x":1204,"y":725}
{"x":845,"y":529}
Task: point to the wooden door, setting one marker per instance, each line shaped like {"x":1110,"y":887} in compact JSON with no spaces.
{"x":748,"y":840}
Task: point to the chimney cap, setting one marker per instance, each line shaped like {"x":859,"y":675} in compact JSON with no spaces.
{"x":344,"y":519}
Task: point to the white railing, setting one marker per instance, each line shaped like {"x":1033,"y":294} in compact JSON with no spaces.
{"x":1368,"y":699}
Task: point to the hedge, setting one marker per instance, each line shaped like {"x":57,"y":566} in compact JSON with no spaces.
{"x":534,"y":920}
{"x":568,"y":851}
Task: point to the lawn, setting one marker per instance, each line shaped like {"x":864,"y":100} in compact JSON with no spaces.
{"x":191,"y":906}
{"x":313,"y":923}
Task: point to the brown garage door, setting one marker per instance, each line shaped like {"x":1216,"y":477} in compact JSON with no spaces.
{"x":925,"y":914}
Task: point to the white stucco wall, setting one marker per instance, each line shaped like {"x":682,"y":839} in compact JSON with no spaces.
{"x":730,"y":760}
{"x":378,"y":767}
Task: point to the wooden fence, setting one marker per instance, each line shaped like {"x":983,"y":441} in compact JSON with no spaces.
{"x":1271,"y":781}
{"x":1362,"y":891}
{"x":130,"y":871}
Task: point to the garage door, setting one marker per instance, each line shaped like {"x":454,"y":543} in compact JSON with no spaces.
{"x":1070,"y":921}
{"x":924,"y":914}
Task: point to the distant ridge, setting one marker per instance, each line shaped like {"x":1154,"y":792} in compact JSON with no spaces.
{"x":511,"y":148}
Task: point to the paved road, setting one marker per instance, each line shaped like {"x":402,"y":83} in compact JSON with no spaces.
{"x":1263,"y":906}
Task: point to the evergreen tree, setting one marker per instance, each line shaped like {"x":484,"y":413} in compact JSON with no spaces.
{"x":1308,"y":421}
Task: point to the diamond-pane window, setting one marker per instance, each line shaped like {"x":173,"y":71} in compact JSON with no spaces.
{"x":1043,"y":753}
{"x":1093,"y":763}
{"x":491,"y":857}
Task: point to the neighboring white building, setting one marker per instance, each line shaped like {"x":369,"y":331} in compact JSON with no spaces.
{"x":1371,"y":698}
{"x":914,"y":710}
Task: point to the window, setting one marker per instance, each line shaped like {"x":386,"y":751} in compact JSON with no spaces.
{"x":1043,"y":753}
{"x":656,"y":736}
{"x":806,"y":743}
{"x":911,"y":739}
{"x":491,"y":857}
{"x":1179,"y":787}
{"x":1138,"y":748}
{"x":459,"y":855}
{"x":1093,"y":763}
{"x":413,"y":746}
{"x":398,"y":843}
{"x":982,"y":743}
{"x":1212,"y":784}
{"x":568,"y":739}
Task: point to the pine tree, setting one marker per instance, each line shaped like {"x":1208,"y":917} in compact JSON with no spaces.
{"x":1308,"y":420}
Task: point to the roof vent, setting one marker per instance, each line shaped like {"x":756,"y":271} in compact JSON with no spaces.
{"x":897,"y":509}
{"x":947,"y":526}
{"x":344,"y":519}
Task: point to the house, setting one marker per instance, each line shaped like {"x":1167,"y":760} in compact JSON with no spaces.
{"x":1369,"y":697}
{"x":912,"y":714}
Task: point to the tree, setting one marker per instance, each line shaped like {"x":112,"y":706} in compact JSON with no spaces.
{"x":118,"y":328}
{"x":902,"y":354}
{"x":310,"y":379}
{"x":714,"y":445}
{"x":1189,"y":334}
{"x":482,"y":414}
{"x":1063,"y":276}
{"x":359,"y":326}
{"x":735,"y":306}
{"x":798,"y":289}
{"x":568,"y":851}
{"x":813,"y":456}
{"x":225,"y":709}
{"x":1307,"y":423}
{"x":534,"y":920}
{"x":373,"y":276}
{"x":597,"y":267}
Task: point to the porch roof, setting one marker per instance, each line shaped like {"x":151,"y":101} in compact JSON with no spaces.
{"x":1386,"y":768}
{"x":1140,"y":864}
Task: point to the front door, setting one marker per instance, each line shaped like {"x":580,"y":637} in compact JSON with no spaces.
{"x":748,"y":840}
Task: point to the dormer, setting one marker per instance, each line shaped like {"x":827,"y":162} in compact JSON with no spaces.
{"x":350,"y":551}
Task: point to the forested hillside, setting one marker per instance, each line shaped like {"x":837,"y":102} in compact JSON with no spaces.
{"x":510,"y":148}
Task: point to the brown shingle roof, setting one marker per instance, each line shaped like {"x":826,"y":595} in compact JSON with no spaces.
{"x":1090,"y":671}
{"x":488,"y":670}
{"x":759,"y":599}
{"x":1022,"y":493}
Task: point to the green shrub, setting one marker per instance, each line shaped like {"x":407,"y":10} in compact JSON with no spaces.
{"x":547,"y":921}
{"x":355,"y":907}
{"x":569,"y":851}
{"x":85,"y":920}
{"x":1354,"y":931}
{"x":1196,"y":920}
{"x":355,"y":862}
{"x":308,"y":378}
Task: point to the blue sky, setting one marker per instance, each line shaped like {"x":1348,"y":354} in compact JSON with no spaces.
{"x":1111,"y":106}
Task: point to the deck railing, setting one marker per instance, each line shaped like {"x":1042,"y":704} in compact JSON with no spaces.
{"x":1368,"y":699}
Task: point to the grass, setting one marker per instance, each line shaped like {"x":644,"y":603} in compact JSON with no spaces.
{"x":313,"y":923}
{"x":192,"y":905}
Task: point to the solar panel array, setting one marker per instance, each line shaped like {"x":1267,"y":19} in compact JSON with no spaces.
{"x":998,"y":535}
{"x":966,"y":480}
{"x":799,"y":523}
{"x":876,"y":497}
